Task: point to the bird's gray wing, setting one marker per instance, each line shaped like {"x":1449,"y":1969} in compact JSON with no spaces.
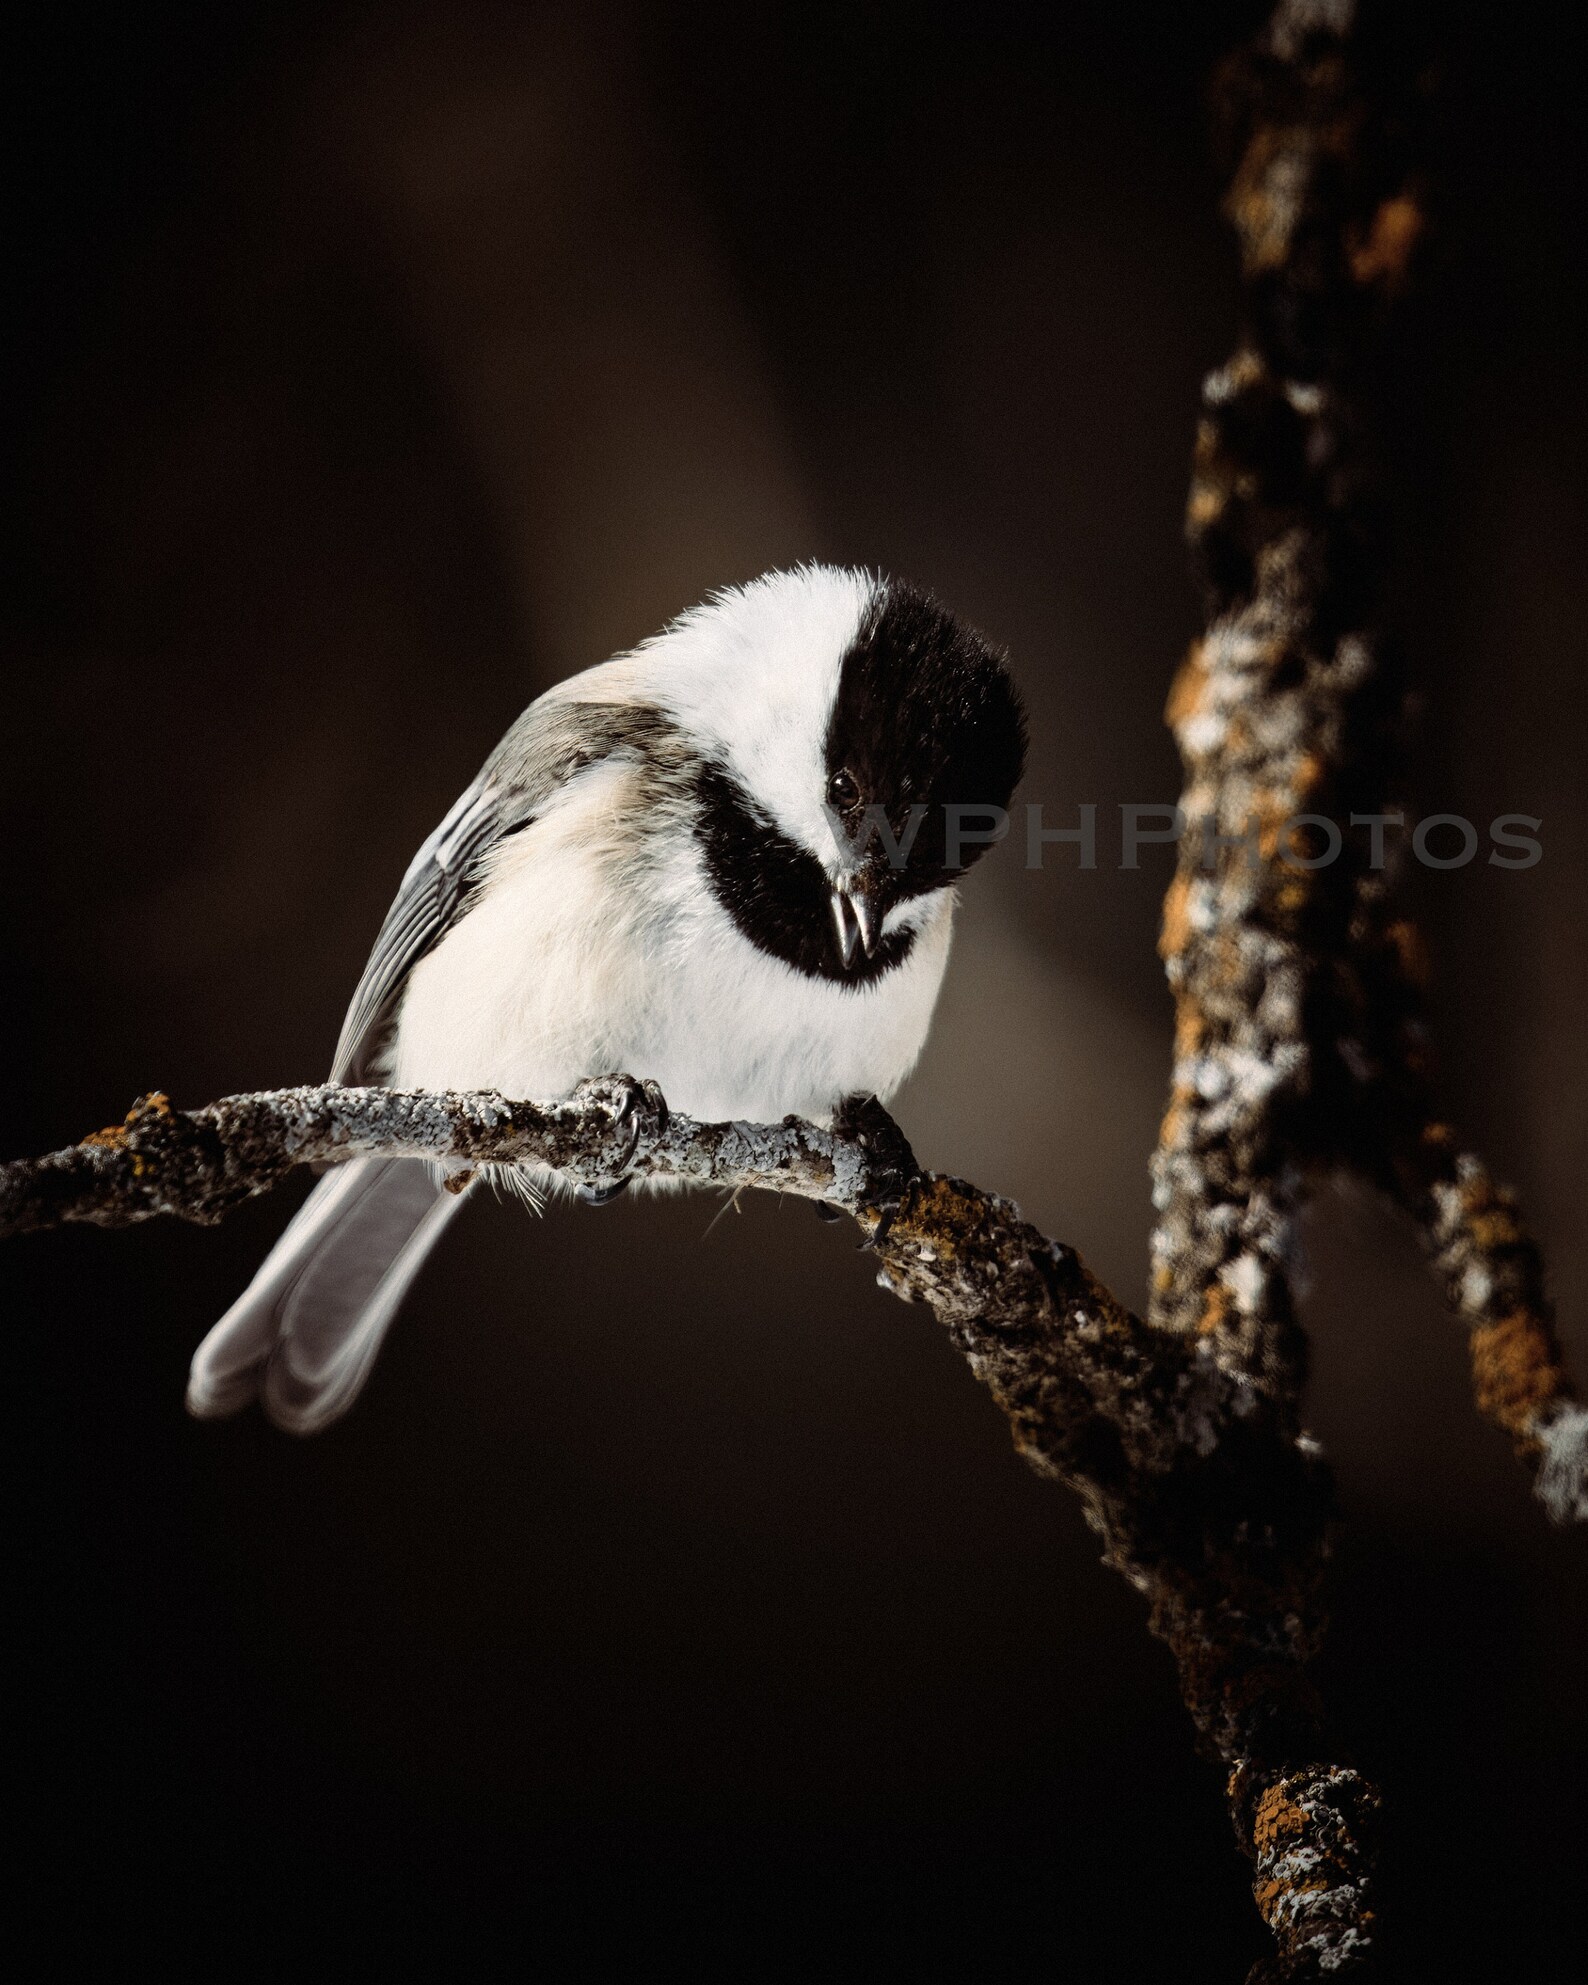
{"x":555,"y":738}
{"x":429,"y":902}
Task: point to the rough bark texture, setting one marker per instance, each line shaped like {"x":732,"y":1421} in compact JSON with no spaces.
{"x":199,"y":1165}
{"x":1268,"y":711}
{"x":1478,"y":1246}
{"x":1299,"y":1039}
{"x":1205,"y":1496}
{"x":1094,"y":1393}
{"x":1203,"y":1491}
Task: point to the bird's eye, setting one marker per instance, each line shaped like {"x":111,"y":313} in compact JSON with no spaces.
{"x":842,"y":791}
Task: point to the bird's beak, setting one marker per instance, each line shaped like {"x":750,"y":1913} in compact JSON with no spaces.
{"x":855,"y":920}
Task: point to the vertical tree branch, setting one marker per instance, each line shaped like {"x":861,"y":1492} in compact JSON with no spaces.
{"x":1299,"y":1037}
{"x":1269,"y":711}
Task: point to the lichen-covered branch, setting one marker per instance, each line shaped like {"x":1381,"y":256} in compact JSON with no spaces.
{"x":1488,"y":1264}
{"x":1059,"y":1352}
{"x":198,"y":1165}
{"x":1298,"y":1043}
{"x":1269,"y":710}
{"x":1301,"y":1038}
{"x":1203,"y":1493}
{"x":1493,"y":1275}
{"x":1173,"y":1456}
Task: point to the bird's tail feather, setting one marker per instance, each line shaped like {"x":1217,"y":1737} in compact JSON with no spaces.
{"x":304,"y":1333}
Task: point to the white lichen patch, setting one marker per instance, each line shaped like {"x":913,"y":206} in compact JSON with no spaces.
{"x":1561,"y":1484}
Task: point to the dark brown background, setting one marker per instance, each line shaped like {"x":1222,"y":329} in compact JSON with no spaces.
{"x":676,"y":1598}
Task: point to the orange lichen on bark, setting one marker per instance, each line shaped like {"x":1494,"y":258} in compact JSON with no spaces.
{"x":1189,"y":1029}
{"x":1278,"y":1820}
{"x":1268,"y":1895}
{"x":1271,"y":810}
{"x":1325,"y":1860}
{"x":1490,"y":1216}
{"x":1216,"y":1310}
{"x":1309,"y":776}
{"x":114,"y":1135}
{"x":1189,"y":687}
{"x":1176,"y":931}
{"x":1515,"y":1370}
{"x":1386,"y":250}
{"x":1172,"y":1130}
{"x":937,"y":1212}
{"x":1206,"y":501}
{"x":1263,"y":201}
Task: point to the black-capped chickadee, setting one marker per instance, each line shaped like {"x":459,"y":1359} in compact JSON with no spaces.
{"x":725,"y":862}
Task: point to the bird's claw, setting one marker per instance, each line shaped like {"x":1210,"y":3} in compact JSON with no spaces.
{"x":631,"y":1103}
{"x":602,"y":1195}
{"x":887,"y":1211}
{"x":890,"y":1162}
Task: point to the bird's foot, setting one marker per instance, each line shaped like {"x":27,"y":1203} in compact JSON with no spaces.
{"x":632,"y":1108}
{"x":887,"y":1211}
{"x":889,"y":1163}
{"x":825,"y":1211}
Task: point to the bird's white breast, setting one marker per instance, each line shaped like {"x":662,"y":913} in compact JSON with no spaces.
{"x":596,"y":946}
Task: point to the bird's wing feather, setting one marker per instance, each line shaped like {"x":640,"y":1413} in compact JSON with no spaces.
{"x":555,"y":739}
{"x":427,"y":905}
